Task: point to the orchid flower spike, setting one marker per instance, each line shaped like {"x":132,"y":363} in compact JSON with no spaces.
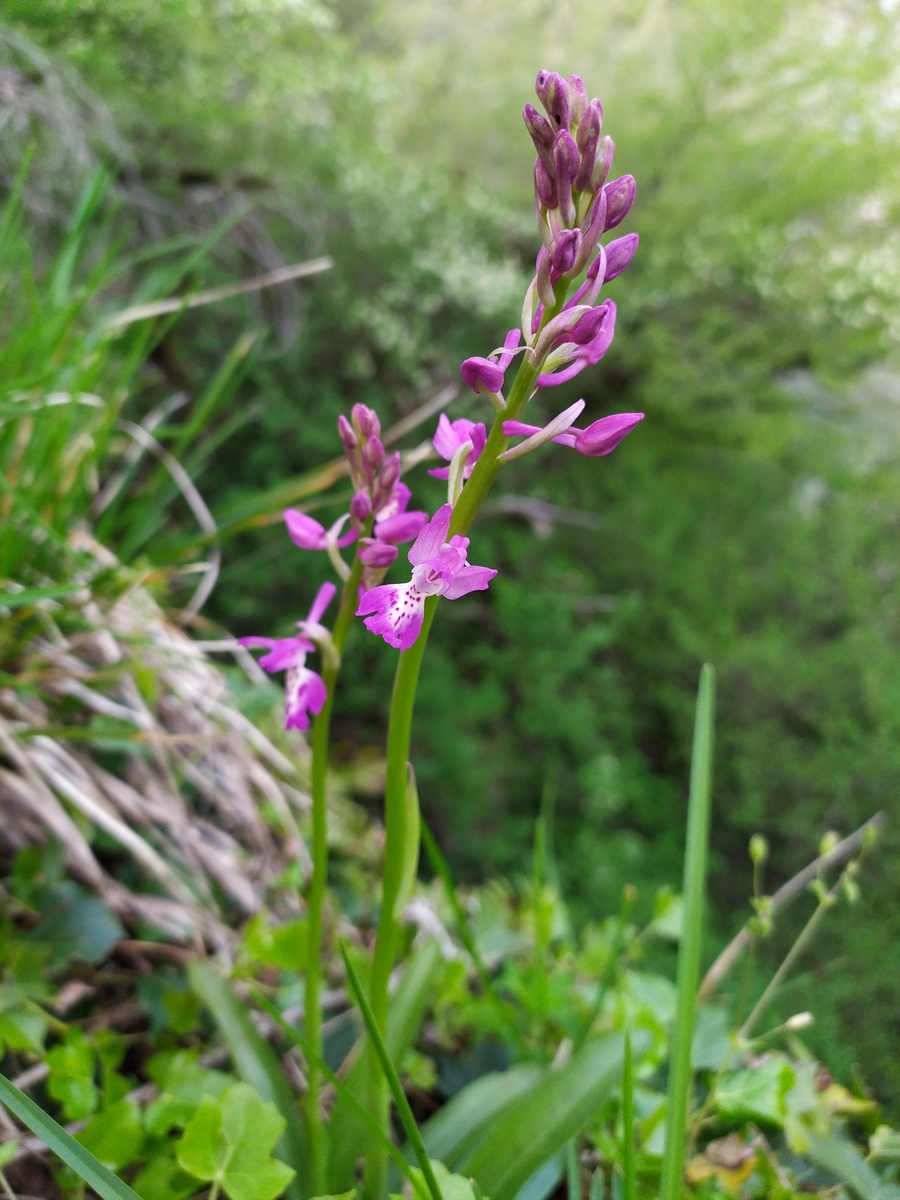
{"x":440,"y":568}
{"x":305,"y":692}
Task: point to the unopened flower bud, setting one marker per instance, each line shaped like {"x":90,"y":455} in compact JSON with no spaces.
{"x":390,"y":473}
{"x":565,"y":252}
{"x":588,"y":326}
{"x":373,"y":452}
{"x":619,"y":254}
{"x":619,"y":199}
{"x":587,"y":142}
{"x":482,"y":375}
{"x":541,"y":133}
{"x":366,"y":421}
{"x":376,"y":554}
{"x":799,"y":1021}
{"x":361,"y":507}
{"x":544,"y":185}
{"x":566,"y":161}
{"x":578,"y":99}
{"x":553,"y":93}
{"x":759,"y":848}
{"x":348,"y":438}
{"x":606,"y":148}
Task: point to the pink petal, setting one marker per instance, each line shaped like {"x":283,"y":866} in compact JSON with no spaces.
{"x":432,"y":536}
{"x":377,"y":553}
{"x":469,"y":579}
{"x":303,"y":530}
{"x":402,"y":527}
{"x":324,"y":596}
{"x":440,"y":472}
{"x":447,"y":437}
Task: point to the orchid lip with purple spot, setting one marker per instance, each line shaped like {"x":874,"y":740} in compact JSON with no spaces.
{"x":440,"y":568}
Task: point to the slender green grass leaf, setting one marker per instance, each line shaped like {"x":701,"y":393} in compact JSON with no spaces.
{"x":393,"y":1079}
{"x":32,"y":595}
{"x":535,"y":1126}
{"x":689,"y":954}
{"x":573,"y":1167}
{"x":838,"y":1154}
{"x":256,"y":1063}
{"x":63,"y":1145}
{"x":628,"y":1168}
{"x":411,"y":852}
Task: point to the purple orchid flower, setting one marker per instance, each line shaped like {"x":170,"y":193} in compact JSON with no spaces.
{"x":486,"y":374}
{"x":305,"y":692}
{"x":393,"y":524}
{"x":440,"y":568}
{"x":450,"y":436}
{"x":601,"y":437}
{"x":306,"y":532}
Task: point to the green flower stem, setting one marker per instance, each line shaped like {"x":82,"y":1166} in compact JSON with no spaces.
{"x":316,"y":898}
{"x":399,"y":733}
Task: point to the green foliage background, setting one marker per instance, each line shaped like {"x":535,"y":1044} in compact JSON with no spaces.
{"x":751,"y":520}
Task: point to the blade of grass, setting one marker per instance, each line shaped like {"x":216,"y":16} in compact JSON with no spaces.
{"x":573,"y":1171}
{"x":393,"y":1079}
{"x":689,"y":952}
{"x":628,"y":1191}
{"x":32,"y":595}
{"x":63,"y":1145}
{"x":340,"y":1087}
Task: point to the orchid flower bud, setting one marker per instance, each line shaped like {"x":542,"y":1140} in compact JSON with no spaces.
{"x":564,"y":254}
{"x":587,"y":327}
{"x":365,"y":421}
{"x":578,"y":100}
{"x":349,"y":440}
{"x":553,"y":93}
{"x":619,"y":254}
{"x":541,"y":133}
{"x":482,"y":375}
{"x":604,"y":435}
{"x":588,"y":142}
{"x":376,"y":554}
{"x":566,"y":161}
{"x":361,"y":507}
{"x":542,"y":277}
{"x":592,"y":229}
{"x":544,"y":185}
{"x":390,"y":473}
{"x":606,"y":148}
{"x":619,"y":199}
{"x":373,"y":452}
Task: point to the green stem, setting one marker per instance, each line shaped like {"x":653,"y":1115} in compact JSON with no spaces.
{"x":316,"y":897}
{"x":399,"y":731}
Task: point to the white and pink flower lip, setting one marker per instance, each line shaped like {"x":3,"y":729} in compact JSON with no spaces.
{"x":440,"y":568}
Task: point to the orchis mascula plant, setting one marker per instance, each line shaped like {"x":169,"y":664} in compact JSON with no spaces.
{"x":561,"y":335}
